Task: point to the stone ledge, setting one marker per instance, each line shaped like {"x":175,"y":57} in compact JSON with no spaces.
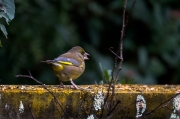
{"x":27,"y":101}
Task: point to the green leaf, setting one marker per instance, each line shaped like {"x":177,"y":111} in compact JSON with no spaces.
{"x":127,"y":81}
{"x":4,"y":15}
{"x":101,"y":82}
{"x":107,"y":75}
{"x":8,"y":7}
{"x":3,"y":29}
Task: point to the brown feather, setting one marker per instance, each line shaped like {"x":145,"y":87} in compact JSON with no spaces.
{"x":65,"y":71}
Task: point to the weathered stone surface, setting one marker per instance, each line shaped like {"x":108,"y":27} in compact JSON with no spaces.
{"x":38,"y":103}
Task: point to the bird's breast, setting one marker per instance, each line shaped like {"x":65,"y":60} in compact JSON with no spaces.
{"x":68,"y":72}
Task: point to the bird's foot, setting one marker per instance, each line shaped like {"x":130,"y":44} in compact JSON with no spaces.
{"x":62,"y":85}
{"x":73,"y":84}
{"x":74,"y":87}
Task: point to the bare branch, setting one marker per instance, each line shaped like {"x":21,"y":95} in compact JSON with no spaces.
{"x":114,"y":52}
{"x":43,"y":85}
{"x":30,"y":76}
{"x":130,"y":13}
{"x":29,"y":108}
{"x":121,"y":42}
{"x":121,"y":109}
{"x":118,"y":102}
{"x":111,"y":86}
{"x":120,"y":55}
{"x":162,"y":105}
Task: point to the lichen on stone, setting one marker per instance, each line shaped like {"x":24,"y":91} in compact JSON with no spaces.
{"x":90,"y":117}
{"x":98,"y":100}
{"x":140,"y":106}
{"x":21,"y":107}
{"x":176,"y":106}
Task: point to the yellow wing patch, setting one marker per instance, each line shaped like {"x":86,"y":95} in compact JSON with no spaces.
{"x":65,"y":63}
{"x":57,"y":68}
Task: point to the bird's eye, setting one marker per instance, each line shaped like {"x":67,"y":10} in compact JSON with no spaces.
{"x":82,"y":52}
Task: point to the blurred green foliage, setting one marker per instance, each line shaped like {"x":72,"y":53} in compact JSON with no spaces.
{"x":0,"y":44}
{"x":44,"y":29}
{"x":7,"y":11}
{"x":106,"y":75}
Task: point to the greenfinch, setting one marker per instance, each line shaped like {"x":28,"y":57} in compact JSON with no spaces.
{"x":70,"y":65}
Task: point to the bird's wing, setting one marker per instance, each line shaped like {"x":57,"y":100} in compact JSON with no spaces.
{"x":67,"y":61}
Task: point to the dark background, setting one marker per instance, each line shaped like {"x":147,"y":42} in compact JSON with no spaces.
{"x":44,"y":29}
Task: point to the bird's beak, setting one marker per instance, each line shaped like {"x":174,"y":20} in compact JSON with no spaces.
{"x":85,"y":56}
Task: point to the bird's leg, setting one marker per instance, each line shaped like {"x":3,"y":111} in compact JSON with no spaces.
{"x":61,"y":84}
{"x":74,"y":85}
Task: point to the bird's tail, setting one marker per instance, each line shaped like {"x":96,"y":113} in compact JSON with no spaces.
{"x":48,"y":61}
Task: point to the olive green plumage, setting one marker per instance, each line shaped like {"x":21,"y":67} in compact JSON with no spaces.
{"x":70,"y":65}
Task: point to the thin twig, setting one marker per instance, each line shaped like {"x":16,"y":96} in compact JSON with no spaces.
{"x":114,"y":53}
{"x":106,"y":98}
{"x":118,"y":102}
{"x":29,"y":108}
{"x":130,"y":13}
{"x":120,"y":54}
{"x":121,"y":43}
{"x":43,"y":85}
{"x":162,"y":104}
{"x":57,"y":107}
{"x":114,"y":80}
{"x":120,"y":110}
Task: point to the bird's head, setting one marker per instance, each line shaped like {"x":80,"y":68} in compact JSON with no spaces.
{"x":80,"y":50}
